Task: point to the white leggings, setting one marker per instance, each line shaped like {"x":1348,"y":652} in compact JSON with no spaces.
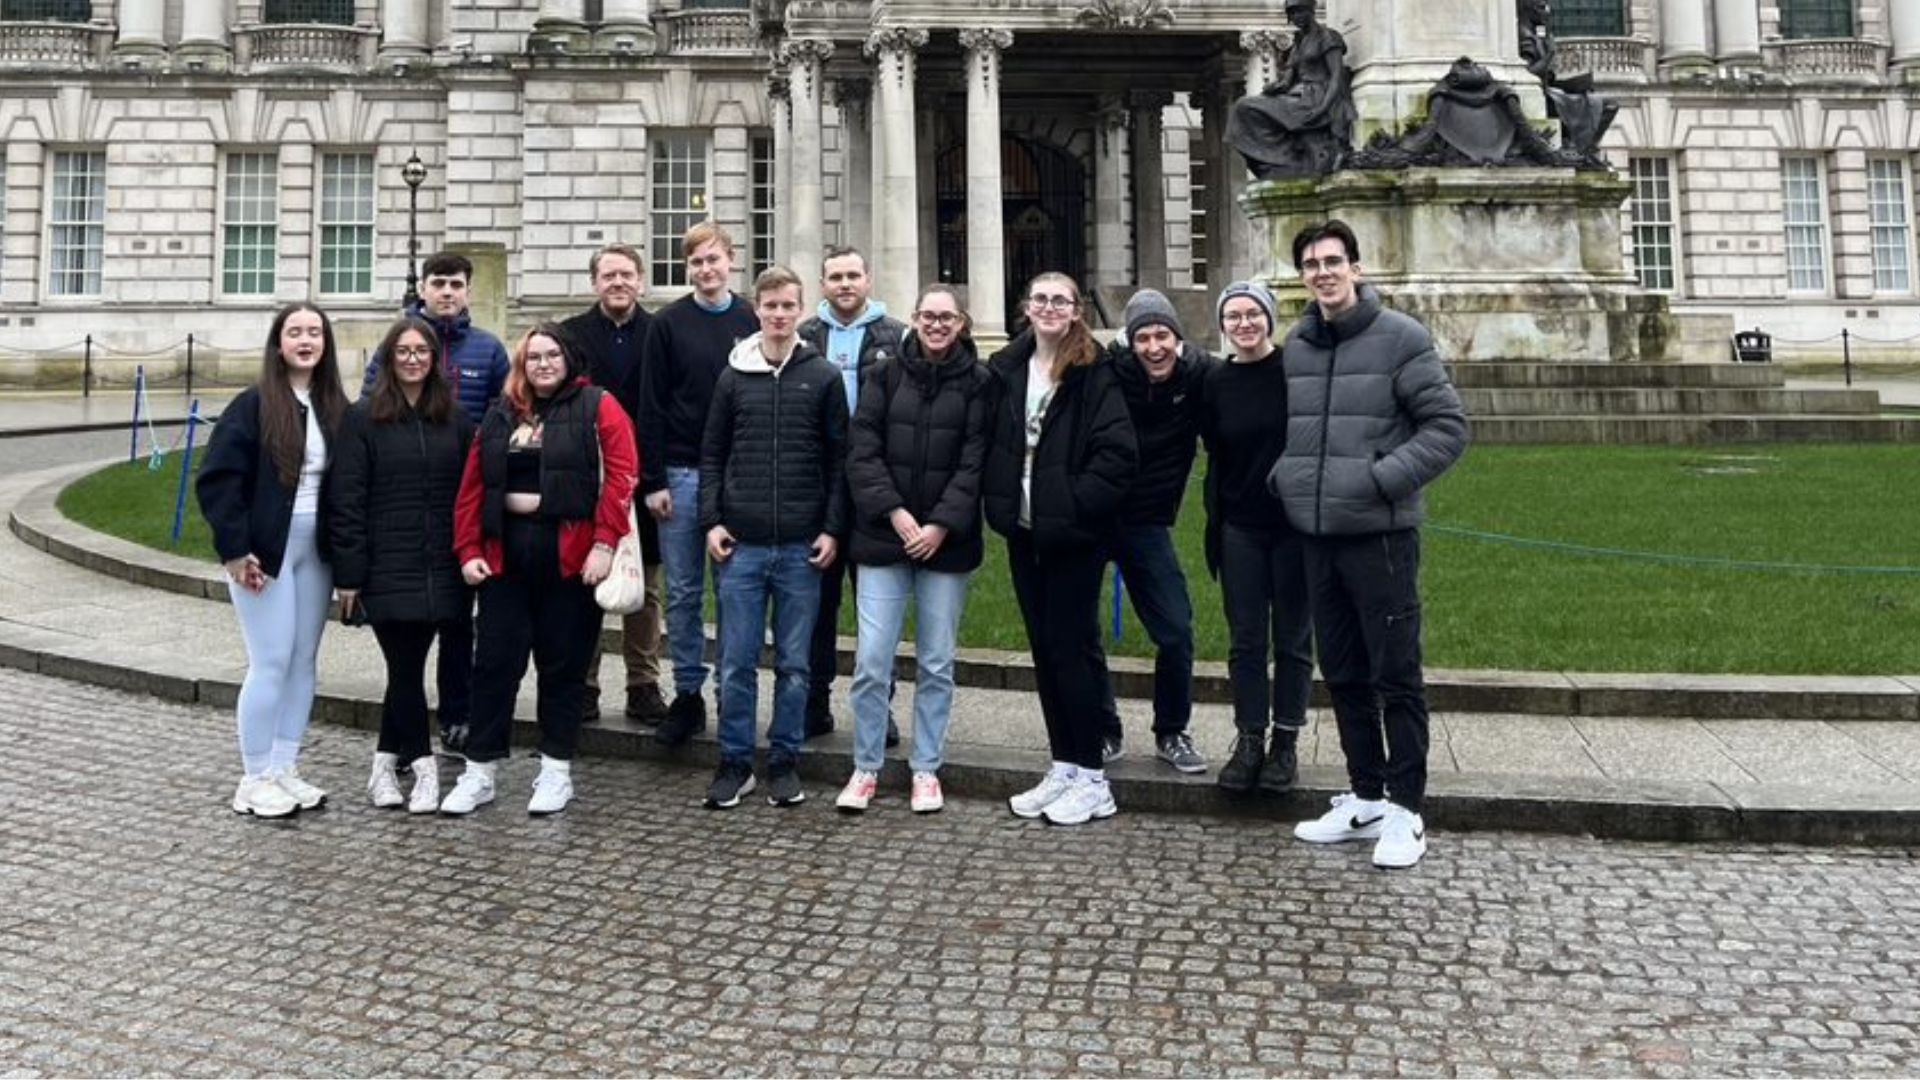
{"x":281,"y":625}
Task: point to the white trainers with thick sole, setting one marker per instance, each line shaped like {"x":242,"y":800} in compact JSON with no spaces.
{"x":261,"y":797}
{"x":1029,"y":803}
{"x":303,"y":793}
{"x":383,"y":784}
{"x":1085,"y":801}
{"x":927,"y":797}
{"x":858,"y":794}
{"x":552,"y":791}
{"x":474,"y":790}
{"x":1352,"y":818}
{"x":1403,"y":839}
{"x":426,"y":786}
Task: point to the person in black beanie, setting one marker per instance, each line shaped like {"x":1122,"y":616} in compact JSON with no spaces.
{"x":1160,"y":375}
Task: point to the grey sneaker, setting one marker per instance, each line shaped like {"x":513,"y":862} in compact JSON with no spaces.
{"x":732,"y":781}
{"x":783,"y":782}
{"x":1177,"y":751}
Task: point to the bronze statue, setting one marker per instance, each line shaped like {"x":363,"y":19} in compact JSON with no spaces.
{"x":1302,"y":124}
{"x":1584,"y":114}
{"x":1473,"y":119}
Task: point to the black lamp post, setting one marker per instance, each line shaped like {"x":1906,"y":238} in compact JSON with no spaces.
{"x":415,"y":174}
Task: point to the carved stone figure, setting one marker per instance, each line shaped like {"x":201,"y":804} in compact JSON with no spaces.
{"x":1474,"y":119}
{"x":1302,"y":124}
{"x":1584,"y":114}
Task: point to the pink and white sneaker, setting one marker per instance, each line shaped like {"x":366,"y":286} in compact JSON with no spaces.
{"x":858,"y":794}
{"x":926,"y":797}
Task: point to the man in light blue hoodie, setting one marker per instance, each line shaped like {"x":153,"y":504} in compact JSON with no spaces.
{"x":853,"y":331}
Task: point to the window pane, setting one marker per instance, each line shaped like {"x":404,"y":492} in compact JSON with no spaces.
{"x":337,"y":12}
{"x":760,"y":212}
{"x":77,"y":11}
{"x":1590,"y":18}
{"x":679,"y":201}
{"x":1816,"y":18}
{"x":1653,"y":227}
{"x":1888,"y":211}
{"x":1803,"y":208}
{"x":346,"y":223}
{"x":251,"y":240}
{"x":79,"y":217}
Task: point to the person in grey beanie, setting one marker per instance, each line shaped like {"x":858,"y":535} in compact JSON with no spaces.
{"x":1159,"y":373}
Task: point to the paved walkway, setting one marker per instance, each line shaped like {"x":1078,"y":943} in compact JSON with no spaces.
{"x":1633,"y":775}
{"x":27,"y":414}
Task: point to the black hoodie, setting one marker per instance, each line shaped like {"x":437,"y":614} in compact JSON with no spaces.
{"x":1166,"y":424}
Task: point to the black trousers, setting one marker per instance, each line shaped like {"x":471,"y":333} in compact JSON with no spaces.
{"x":1059,"y":599}
{"x":453,"y":671}
{"x":1366,"y":613}
{"x":529,"y":610}
{"x":403,"y":712}
{"x":1263,"y":587}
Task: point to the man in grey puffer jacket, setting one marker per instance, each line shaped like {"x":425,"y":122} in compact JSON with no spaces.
{"x":1371,"y":420}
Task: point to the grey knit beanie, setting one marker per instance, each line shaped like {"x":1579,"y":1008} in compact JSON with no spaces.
{"x":1252,"y":290}
{"x":1150,"y":307}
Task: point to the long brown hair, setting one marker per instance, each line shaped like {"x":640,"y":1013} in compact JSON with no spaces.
{"x":1077,"y":347}
{"x":519,"y":392}
{"x":387,"y":401}
{"x":282,"y":431}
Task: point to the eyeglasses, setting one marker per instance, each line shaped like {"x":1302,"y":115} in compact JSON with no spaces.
{"x":1329,"y":264}
{"x":553,"y":358}
{"x":1243,"y":318}
{"x":409,"y":352}
{"x":941,"y":319}
{"x":1052,"y":303}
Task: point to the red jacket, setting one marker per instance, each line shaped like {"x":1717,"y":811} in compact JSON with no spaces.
{"x":620,"y":469}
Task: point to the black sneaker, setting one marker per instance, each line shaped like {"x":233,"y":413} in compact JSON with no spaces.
{"x":646,"y":706}
{"x":893,"y":733}
{"x":1177,"y":750}
{"x":732,"y":781}
{"x":687,"y":715}
{"x":783,"y":782}
{"x":819,"y":716}
{"x":1282,"y":767}
{"x":1242,"y":770}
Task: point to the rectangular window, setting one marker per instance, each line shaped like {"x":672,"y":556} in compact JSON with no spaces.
{"x":1888,"y":211}
{"x":250,"y":240}
{"x":1652,"y":210}
{"x":1803,"y":206}
{"x":760,"y":222}
{"x":332,"y":12}
{"x":74,"y":11}
{"x":679,"y":201}
{"x":79,"y":223}
{"x":1197,"y":218}
{"x":346,"y":224}
{"x":1590,"y":18}
{"x":3,"y":212}
{"x":1816,"y":18}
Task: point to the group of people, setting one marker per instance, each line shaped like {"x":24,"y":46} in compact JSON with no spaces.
{"x":798,"y":456}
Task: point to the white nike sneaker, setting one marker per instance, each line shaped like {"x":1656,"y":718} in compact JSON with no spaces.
{"x":383,"y":786}
{"x":474,"y":790}
{"x":1402,"y":841}
{"x":426,"y":786}
{"x":1352,"y":818}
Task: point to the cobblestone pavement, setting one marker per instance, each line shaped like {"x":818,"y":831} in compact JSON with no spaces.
{"x":146,"y":929}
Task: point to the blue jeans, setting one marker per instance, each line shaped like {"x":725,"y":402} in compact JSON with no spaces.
{"x":938,"y":600}
{"x":753,"y":575}
{"x":683,"y":555}
{"x":1158,"y":588}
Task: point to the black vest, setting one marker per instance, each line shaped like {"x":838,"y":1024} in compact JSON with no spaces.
{"x":569,"y":458}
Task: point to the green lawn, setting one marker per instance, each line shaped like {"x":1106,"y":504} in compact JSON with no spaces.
{"x":1496,"y":605}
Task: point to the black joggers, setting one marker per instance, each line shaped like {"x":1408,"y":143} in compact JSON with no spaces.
{"x":1060,"y":603}
{"x":403,"y":713}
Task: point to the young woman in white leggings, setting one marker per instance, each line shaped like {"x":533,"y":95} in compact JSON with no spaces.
{"x":260,"y":491}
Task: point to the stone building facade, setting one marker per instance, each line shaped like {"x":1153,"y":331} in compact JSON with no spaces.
{"x":184,"y":166}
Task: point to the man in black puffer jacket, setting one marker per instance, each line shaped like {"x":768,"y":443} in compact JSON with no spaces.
{"x":773,"y":499}
{"x":1159,"y":373}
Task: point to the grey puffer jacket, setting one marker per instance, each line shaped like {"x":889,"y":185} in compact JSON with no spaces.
{"x":1371,"y":420}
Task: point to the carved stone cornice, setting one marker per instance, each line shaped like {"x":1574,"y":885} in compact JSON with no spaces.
{"x":900,"y":39}
{"x":802,"y":51}
{"x":1126,"y":14}
{"x":1270,"y":41}
{"x":986,"y":38}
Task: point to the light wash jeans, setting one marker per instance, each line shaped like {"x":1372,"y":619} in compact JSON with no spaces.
{"x":751,"y":577}
{"x":938,"y":601}
{"x":683,"y":557}
{"x":281,"y":626}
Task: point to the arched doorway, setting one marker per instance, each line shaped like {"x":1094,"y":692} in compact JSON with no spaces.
{"x":1043,"y":200}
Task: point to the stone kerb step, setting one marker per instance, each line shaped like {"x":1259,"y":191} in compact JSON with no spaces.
{"x":1685,"y":430}
{"x":1680,"y":401}
{"x":1587,"y":376}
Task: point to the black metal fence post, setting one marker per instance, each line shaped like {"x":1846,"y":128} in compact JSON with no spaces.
{"x":86,"y":370}
{"x":1846,"y":353}
{"x":189,"y":365}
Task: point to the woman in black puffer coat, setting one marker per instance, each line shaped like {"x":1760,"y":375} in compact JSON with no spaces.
{"x":916,"y":449}
{"x":390,"y":519}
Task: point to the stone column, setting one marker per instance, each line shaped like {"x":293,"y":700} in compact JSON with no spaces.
{"x":806,"y":62}
{"x":1904,"y":24}
{"x":1683,"y":37}
{"x":853,"y":97}
{"x":1245,"y":249}
{"x":1149,"y":188}
{"x":897,"y":260}
{"x":780,"y":117}
{"x":403,"y":32}
{"x":1736,"y":32}
{"x":986,"y":235}
{"x":560,"y":26}
{"x":1110,"y":239}
{"x":626,"y":29}
{"x":204,"y":41}
{"x":143,"y":33}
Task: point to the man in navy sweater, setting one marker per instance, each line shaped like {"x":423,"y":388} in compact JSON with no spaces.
{"x":687,"y":349}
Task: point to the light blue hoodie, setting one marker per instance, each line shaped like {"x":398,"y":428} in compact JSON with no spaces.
{"x":844,"y":342}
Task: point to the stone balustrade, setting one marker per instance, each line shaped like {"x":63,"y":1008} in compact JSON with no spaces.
{"x":305,"y":47}
{"x":1850,"y":59}
{"x":1608,"y":59}
{"x":696,"y":32}
{"x":63,"y":45}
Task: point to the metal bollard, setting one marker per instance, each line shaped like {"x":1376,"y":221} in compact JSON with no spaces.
{"x":86,"y":370}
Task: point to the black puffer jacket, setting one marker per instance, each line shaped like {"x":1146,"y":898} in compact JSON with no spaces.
{"x":919,"y":441}
{"x":246,"y":506}
{"x":774,"y":458}
{"x":390,"y":518}
{"x":1166,"y":424}
{"x":1084,"y":462}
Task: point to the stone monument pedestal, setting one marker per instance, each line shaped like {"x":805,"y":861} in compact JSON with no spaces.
{"x":1499,"y":263}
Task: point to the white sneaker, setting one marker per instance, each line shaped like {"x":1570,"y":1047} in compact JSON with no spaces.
{"x":926,"y":798}
{"x":474,"y":790}
{"x":1352,"y":818}
{"x":303,"y":793}
{"x":1402,"y":841}
{"x":383,"y":785}
{"x":1083,"y":802}
{"x":858,"y":794}
{"x":1029,"y":803}
{"x":552,"y":791}
{"x":261,"y":797}
{"x":426,"y":786}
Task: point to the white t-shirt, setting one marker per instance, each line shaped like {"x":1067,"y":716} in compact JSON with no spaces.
{"x":1040,"y":388}
{"x":306,"y":499}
